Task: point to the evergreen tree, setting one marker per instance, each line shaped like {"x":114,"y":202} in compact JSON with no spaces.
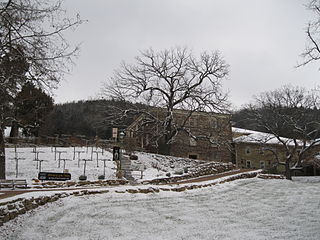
{"x":32,"y":105}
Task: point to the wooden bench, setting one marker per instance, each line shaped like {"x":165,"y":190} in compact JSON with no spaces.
{"x":12,"y":183}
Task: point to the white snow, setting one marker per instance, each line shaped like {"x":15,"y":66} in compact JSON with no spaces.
{"x":243,"y":209}
{"x":243,"y":131}
{"x":27,"y":167}
{"x":262,"y":138}
{"x":153,"y":165}
{"x":7,"y":131}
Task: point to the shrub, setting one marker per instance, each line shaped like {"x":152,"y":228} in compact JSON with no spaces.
{"x":83,"y":177}
{"x":101,"y":177}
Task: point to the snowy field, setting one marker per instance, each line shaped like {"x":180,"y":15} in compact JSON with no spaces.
{"x":154,"y":166}
{"x":243,"y":209}
{"x":28,"y":168}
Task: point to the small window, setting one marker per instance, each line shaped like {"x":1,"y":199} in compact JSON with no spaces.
{"x":147,"y":139}
{"x":214,"y":155}
{"x":262,"y":164}
{"x":247,"y":150}
{"x":193,"y":142}
{"x":192,"y":122}
{"x":193,"y":156}
{"x":248,"y":164}
{"x":214,"y":123}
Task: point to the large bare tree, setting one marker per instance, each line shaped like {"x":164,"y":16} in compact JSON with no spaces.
{"x":170,"y":80}
{"x":312,"y":49}
{"x":291,"y":115}
{"x":32,"y":48}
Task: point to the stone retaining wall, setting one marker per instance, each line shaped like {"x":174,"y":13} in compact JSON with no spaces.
{"x":12,"y":209}
{"x":207,"y":169}
{"x":81,"y":183}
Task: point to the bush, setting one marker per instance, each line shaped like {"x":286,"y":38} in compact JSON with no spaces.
{"x":101,"y":177}
{"x":83,"y":177}
{"x":273,"y":170}
{"x":133,"y":157}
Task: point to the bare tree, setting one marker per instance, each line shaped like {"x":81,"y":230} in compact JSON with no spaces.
{"x":170,"y":80}
{"x":312,"y":49}
{"x":32,"y":48}
{"x":291,"y":115}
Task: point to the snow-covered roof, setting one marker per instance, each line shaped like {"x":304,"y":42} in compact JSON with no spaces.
{"x":243,"y":131}
{"x":260,"y":137}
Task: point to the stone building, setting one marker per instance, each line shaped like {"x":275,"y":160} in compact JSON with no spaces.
{"x":257,"y":150}
{"x":205,"y":136}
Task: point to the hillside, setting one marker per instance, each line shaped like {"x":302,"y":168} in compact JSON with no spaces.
{"x":88,"y":118}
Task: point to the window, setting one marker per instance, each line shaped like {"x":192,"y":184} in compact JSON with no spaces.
{"x":193,"y":142}
{"x":214,"y":123}
{"x":248,"y":164}
{"x":214,"y":155}
{"x":192,"y":122}
{"x":247,"y":150}
{"x":193,"y":156}
{"x":262,"y":164}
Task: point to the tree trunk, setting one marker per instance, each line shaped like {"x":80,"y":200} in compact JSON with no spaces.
{"x":2,"y":155}
{"x":288,"y":173}
{"x":14,"y":132}
{"x":165,"y":147}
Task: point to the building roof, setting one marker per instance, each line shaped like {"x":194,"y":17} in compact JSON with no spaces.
{"x":178,"y":111}
{"x":250,"y":136}
{"x":243,"y":131}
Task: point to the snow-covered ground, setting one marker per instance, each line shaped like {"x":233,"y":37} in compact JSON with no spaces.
{"x":243,"y":209}
{"x":153,"y":165}
{"x":27,"y":167}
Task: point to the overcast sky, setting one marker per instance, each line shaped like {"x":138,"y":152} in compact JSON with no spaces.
{"x":260,"y":39}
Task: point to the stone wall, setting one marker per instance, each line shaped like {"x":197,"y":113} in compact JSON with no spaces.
{"x":203,"y":170}
{"x":256,"y":154}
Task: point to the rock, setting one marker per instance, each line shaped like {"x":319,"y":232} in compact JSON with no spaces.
{"x":11,"y":206}
{"x":101,"y":177}
{"x":22,"y":211}
{"x":179,"y":172}
{"x":118,"y":191}
{"x":132,"y":191}
{"x":13,"y":214}
{"x":178,"y":189}
{"x":83,"y":178}
{"x":133,"y":157}
{"x":145,"y":190}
